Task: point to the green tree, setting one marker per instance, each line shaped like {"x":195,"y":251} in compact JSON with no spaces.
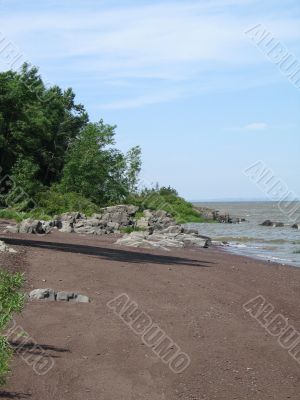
{"x":36,"y":122}
{"x":96,"y":170}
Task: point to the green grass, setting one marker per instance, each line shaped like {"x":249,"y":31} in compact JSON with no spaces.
{"x":130,"y":229}
{"x":19,"y":216}
{"x":11,"y":301}
{"x":168,"y":200}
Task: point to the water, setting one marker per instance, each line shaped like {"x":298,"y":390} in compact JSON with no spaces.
{"x":249,"y":238}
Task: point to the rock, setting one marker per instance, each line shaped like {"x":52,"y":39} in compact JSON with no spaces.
{"x":50,"y":294}
{"x":82,"y":299}
{"x":173,"y":229}
{"x":197,"y":242}
{"x":35,"y":226}
{"x":66,"y":227}
{"x":4,"y":248}
{"x":296,"y":226}
{"x":43,"y":294}
{"x":65,"y":296}
{"x":142,"y":223}
{"x":28,"y":226}
{"x":190,"y":231}
{"x":272,"y":224}
{"x":268,"y":223}
{"x":164,"y":239}
{"x":12,"y":229}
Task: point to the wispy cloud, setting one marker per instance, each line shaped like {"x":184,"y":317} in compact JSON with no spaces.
{"x":175,"y":42}
{"x":255,"y":126}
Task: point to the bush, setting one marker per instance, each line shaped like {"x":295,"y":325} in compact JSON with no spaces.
{"x":167,"y":199}
{"x":130,"y":229}
{"x":11,"y":301}
{"x":54,"y":202}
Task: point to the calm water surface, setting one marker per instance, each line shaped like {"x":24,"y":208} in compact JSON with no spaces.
{"x":249,"y":238}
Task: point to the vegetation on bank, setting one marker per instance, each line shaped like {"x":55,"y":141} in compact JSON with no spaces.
{"x":11,"y":301}
{"x":54,"y":160}
{"x":166,"y":198}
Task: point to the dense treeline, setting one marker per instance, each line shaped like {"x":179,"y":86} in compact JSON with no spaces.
{"x":50,"y":150}
{"x":54,"y":160}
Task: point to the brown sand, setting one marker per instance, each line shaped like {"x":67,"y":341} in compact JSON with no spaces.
{"x":195,"y":296}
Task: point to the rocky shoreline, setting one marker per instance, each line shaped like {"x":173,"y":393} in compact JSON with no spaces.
{"x":150,"y":229}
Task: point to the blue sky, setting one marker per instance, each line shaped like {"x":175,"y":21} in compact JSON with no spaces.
{"x":179,"y":78}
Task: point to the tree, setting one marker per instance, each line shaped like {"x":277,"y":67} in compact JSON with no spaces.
{"x":96,"y":170}
{"x":37,"y":123}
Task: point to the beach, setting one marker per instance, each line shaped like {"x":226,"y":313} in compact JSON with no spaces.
{"x":196,"y":296}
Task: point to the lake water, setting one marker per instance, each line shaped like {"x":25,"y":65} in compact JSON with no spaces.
{"x":249,"y":238}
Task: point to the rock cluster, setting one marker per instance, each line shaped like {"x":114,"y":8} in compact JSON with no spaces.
{"x":108,"y":220}
{"x":152,"y":229}
{"x":172,"y":237}
{"x":51,"y":295}
{"x":277,"y":224}
{"x":155,"y":220}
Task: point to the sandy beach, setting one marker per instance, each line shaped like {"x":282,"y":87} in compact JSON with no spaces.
{"x":195,"y":296}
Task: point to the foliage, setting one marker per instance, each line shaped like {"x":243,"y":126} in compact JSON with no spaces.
{"x":18,"y":216}
{"x":130,"y":229}
{"x":11,"y":301}
{"x":36,"y":123}
{"x":97,"y":171}
{"x":166,"y":198}
{"x":54,"y":202}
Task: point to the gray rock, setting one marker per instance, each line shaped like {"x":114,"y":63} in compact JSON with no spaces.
{"x":296,"y":226}
{"x":65,"y":296}
{"x":6,"y":249}
{"x":268,"y":223}
{"x":82,"y":299}
{"x":142,"y":223}
{"x":66,"y":227}
{"x":190,"y":231}
{"x":163,"y":240}
{"x":28,"y":226}
{"x":12,"y":229}
{"x":279,"y":225}
{"x":43,"y":294}
{"x":173,"y":229}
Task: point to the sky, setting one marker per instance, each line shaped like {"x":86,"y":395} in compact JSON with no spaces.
{"x":185,"y":80}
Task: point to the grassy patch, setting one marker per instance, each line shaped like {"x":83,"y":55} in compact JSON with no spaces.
{"x":11,"y":301}
{"x":130,"y":229}
{"x":167,"y":199}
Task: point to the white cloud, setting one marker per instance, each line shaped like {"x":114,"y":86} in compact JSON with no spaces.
{"x":255,"y":126}
{"x":176,"y":42}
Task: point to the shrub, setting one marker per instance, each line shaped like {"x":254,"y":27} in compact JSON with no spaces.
{"x":167,"y":199}
{"x":54,"y":202}
{"x":130,"y":229}
{"x":11,"y":301}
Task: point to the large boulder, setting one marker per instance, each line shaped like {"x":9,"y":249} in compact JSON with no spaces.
{"x":164,"y":239}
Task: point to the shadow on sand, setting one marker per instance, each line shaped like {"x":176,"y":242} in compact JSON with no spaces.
{"x":108,"y":253}
{"x":14,"y":395}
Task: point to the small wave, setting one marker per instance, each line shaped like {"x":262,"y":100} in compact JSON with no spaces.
{"x":252,"y":239}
